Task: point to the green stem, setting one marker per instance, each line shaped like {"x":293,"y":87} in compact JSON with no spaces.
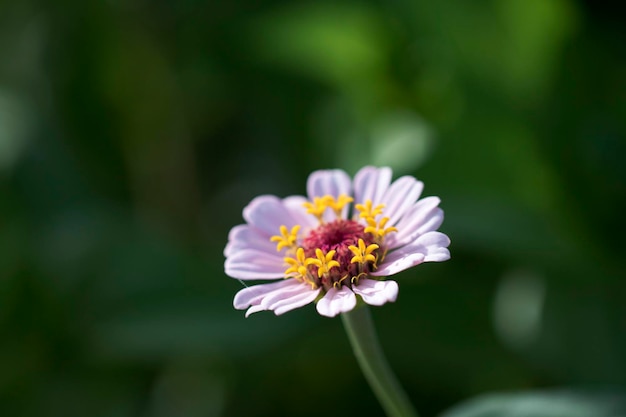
{"x":360,"y":328}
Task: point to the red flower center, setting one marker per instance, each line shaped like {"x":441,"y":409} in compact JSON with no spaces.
{"x":338,"y":235}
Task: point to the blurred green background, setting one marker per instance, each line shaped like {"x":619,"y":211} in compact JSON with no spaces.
{"x":132,"y":134}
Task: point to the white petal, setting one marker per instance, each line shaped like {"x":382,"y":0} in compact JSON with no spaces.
{"x":267,"y":213}
{"x":273,"y":300}
{"x":400,"y":196}
{"x":429,"y":247}
{"x":332,"y":182}
{"x":296,"y":301}
{"x":370,"y":183}
{"x":438,"y":255}
{"x":328,"y":182}
{"x":375,"y":292}
{"x":336,"y":301}
{"x":295,"y":205}
{"x":254,"y":309}
{"x":243,"y":237}
{"x":424,"y":216}
{"x":394,"y":264}
{"x":287,"y":299}
{"x":436,"y":244}
{"x":431,"y":222}
{"x":254,"y":264}
{"x":281,"y":296}
{"x":253,"y":295}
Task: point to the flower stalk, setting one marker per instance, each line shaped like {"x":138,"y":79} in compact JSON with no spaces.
{"x":364,"y":340}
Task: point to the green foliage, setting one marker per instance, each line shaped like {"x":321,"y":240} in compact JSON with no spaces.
{"x":544,"y":404}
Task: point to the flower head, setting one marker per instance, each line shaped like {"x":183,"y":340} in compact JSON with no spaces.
{"x":327,"y":249}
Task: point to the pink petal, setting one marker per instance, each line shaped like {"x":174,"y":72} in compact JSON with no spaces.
{"x":254,"y":264}
{"x":271,"y":301}
{"x":328,"y":182}
{"x":336,"y":301}
{"x":370,"y":183}
{"x":431,"y":223}
{"x":394,"y":264}
{"x":295,"y":301}
{"x":254,"y":309}
{"x":281,"y":296}
{"x":424,"y":216}
{"x":429,"y":247}
{"x":254,"y":294}
{"x":332,"y":182}
{"x":375,"y":292}
{"x":400,"y":196}
{"x":267,"y":213}
{"x":243,"y":237}
{"x":295,"y":205}
{"x":436,"y":244}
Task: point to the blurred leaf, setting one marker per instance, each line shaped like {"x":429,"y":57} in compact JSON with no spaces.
{"x":532,"y":50}
{"x":518,"y":306}
{"x":544,"y":404}
{"x":402,"y":140}
{"x":581,"y":338}
{"x":14,"y":122}
{"x":344,"y":44}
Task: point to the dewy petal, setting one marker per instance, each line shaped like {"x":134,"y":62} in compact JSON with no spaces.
{"x":336,"y":301}
{"x":333,"y":182}
{"x":370,"y":183}
{"x":424,"y":216}
{"x":281,"y":296}
{"x":243,"y":237}
{"x":376,"y":293}
{"x":429,"y":247}
{"x":267,"y":213}
{"x":400,"y":196}
{"x":254,"y":264}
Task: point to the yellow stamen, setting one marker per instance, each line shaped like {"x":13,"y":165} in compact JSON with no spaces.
{"x":298,"y":264}
{"x":355,"y":280}
{"x":337,"y":284}
{"x":317,"y":207}
{"x":287,"y":238}
{"x":299,"y":268}
{"x":324,"y":262}
{"x":338,"y":204}
{"x":380,"y":230}
{"x":363,"y":254}
{"x":367,"y":211}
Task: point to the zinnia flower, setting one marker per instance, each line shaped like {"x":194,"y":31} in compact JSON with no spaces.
{"x":336,"y":245}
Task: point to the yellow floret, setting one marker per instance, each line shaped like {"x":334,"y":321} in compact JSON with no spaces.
{"x":366,"y":210}
{"x":286,"y":238}
{"x":380,"y":230}
{"x":363,"y":254}
{"x":324,"y":262}
{"x":338,"y":204}
{"x":317,"y":207}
